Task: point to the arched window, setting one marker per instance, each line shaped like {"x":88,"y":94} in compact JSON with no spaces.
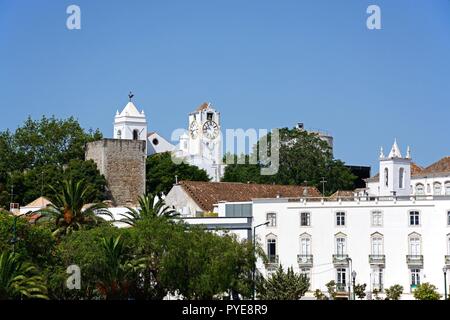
{"x":420,"y":189}
{"x":119,"y":134}
{"x":401,"y":178}
{"x":341,"y":244}
{"x":305,"y":244}
{"x":377,"y":244}
{"x":415,"y":244}
{"x":272,"y":218}
{"x":135,"y":134}
{"x":447,"y":188}
{"x":437,"y":188}
{"x":386,"y":177}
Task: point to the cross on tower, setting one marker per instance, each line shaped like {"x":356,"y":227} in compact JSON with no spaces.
{"x":130,"y":95}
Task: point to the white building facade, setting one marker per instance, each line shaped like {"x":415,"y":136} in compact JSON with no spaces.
{"x":388,"y":234}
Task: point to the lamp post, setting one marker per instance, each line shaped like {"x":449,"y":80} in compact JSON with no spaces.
{"x":353,"y":278}
{"x":349,"y":285}
{"x":254,"y":252}
{"x":444,"y":269}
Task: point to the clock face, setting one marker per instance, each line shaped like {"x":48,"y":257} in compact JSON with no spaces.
{"x":210,"y":129}
{"x":193,"y":129}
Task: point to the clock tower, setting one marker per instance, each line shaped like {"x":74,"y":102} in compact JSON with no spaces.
{"x":205,"y":140}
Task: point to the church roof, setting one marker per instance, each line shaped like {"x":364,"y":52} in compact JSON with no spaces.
{"x":207,"y":194}
{"x":40,"y":202}
{"x":395,"y":151}
{"x":343,"y":194}
{"x":203,"y":106}
{"x":441,"y":166}
{"x":130,"y":110}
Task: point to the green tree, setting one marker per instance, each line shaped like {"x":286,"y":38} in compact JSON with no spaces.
{"x":161,"y":172}
{"x":360,"y":290}
{"x":150,"y":207}
{"x":283,"y":285}
{"x":303,"y":157}
{"x":319,"y":295}
{"x":37,"y":154}
{"x":331,"y":289}
{"x":19,"y":280}
{"x":426,"y":291}
{"x":68,"y":211}
{"x":394,"y":292}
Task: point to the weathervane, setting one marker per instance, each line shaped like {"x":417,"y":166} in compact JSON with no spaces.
{"x":130,"y":96}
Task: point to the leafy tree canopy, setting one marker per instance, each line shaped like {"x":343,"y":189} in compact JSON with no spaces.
{"x":40,"y":153}
{"x":303,"y":157}
{"x":161,"y":172}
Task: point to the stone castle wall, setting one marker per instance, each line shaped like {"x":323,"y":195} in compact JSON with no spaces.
{"x":122,"y":162}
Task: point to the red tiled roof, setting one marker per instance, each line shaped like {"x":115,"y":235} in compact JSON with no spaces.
{"x":441,"y":166}
{"x":342,"y":194}
{"x":206,"y":194}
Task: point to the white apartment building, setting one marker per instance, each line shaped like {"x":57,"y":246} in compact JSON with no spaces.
{"x":387,"y":233}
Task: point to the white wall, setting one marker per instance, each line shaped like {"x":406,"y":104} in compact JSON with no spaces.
{"x":395,"y":229}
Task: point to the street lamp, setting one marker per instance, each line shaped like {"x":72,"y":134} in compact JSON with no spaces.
{"x":354,"y":277}
{"x":444,"y":269}
{"x":349,"y":260}
{"x":254,"y":252}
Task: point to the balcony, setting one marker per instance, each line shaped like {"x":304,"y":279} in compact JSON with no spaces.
{"x":414,"y":261}
{"x":272,"y":262}
{"x":305,"y":260}
{"x":340,"y":260}
{"x":377,"y":259}
{"x":341,"y":288}
{"x":447,"y":261}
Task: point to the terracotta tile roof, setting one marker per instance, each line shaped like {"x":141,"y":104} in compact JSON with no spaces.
{"x":203,"y":106}
{"x":206,"y":194}
{"x":40,"y":202}
{"x":441,"y":166}
{"x":342,"y":194}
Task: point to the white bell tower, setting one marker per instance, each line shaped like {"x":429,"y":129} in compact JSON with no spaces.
{"x":130,"y":124}
{"x":205,"y":140}
{"x":395,"y":173}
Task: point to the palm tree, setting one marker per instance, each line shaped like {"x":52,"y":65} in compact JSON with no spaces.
{"x":150,"y":207}
{"x":19,"y":280}
{"x":119,"y":275}
{"x":69,"y":209}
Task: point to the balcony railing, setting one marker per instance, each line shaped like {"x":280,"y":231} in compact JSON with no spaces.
{"x":340,"y":259}
{"x":414,"y":260}
{"x":377,"y":259}
{"x":272,"y":260}
{"x":341,"y":287}
{"x":305,"y":260}
{"x":447,"y":261}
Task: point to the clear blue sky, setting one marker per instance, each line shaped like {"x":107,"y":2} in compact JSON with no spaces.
{"x":263,"y":64}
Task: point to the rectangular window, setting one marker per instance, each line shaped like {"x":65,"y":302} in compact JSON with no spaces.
{"x":341,"y":247}
{"x":414,"y":218}
{"x":209,"y":116}
{"x":340,"y":219}
{"x":272,"y":250}
{"x":341,"y":276}
{"x":377,"y":219}
{"x":415,"y":277}
{"x":377,"y":279}
{"x":272,"y":218}
{"x":305,"y":246}
{"x":377,"y":245}
{"x":448,"y":218}
{"x":305,"y":219}
{"x":414,"y":246}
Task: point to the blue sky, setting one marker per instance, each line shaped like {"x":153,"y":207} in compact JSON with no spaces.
{"x":263,"y":64}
